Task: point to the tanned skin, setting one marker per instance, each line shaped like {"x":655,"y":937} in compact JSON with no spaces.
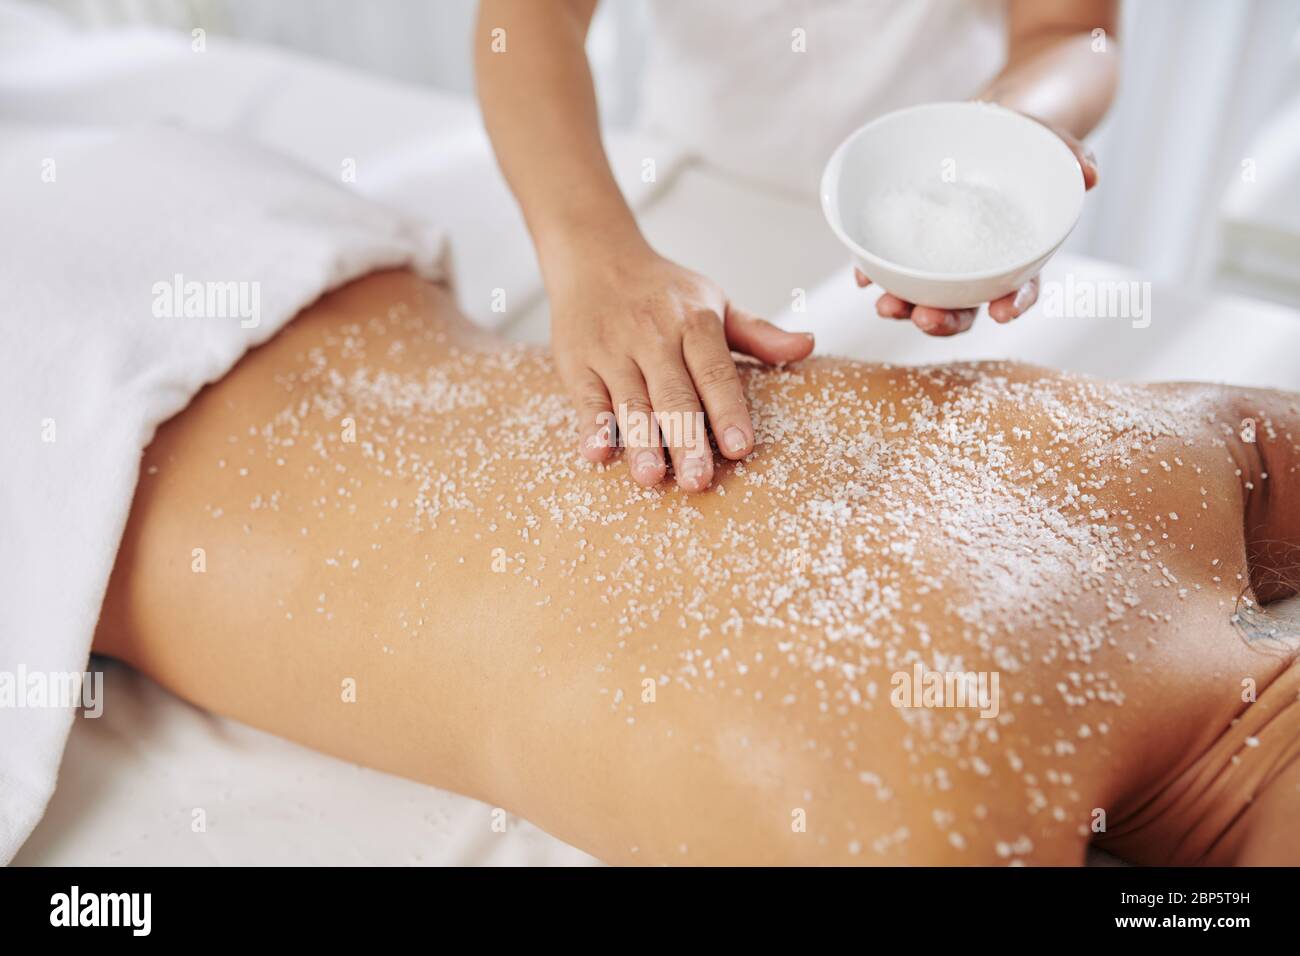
{"x":519,"y":689}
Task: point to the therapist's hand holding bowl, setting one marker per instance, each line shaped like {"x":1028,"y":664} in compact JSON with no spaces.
{"x":907,"y":191}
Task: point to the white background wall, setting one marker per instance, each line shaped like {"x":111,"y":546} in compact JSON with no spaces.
{"x":1203,"y":81}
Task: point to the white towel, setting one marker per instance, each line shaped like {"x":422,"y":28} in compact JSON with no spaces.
{"x":421,"y":151}
{"x":99,"y":226}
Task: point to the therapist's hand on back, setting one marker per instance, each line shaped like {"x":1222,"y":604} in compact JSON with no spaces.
{"x":635,"y":334}
{"x":943,"y":322}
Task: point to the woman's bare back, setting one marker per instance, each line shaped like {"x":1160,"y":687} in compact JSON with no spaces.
{"x":977,"y":613}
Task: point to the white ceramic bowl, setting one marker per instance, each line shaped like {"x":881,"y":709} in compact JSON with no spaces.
{"x":982,"y":144}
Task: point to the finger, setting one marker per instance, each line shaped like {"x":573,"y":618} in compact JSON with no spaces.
{"x":681,"y":416}
{"x":1015,"y":304}
{"x":890,"y":306}
{"x":1087,"y":162}
{"x":745,"y":332}
{"x":860,"y":279}
{"x":636,"y":424}
{"x":942,"y":322}
{"x":596,"y":424}
{"x":713,"y":370}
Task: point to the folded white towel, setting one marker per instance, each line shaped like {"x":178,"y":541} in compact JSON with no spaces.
{"x":136,"y":266}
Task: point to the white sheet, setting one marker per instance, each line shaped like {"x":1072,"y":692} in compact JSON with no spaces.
{"x":132,"y":781}
{"x":1192,"y":335}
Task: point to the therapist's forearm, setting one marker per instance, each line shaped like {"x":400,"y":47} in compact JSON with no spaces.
{"x":1063,"y":81}
{"x":539,"y":105}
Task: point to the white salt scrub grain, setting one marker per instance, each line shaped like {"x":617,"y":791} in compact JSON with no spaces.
{"x":947,"y":227}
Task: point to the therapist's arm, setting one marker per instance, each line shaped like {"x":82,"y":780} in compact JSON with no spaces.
{"x":1061,"y":73}
{"x":1059,"y":70}
{"x":630,"y":329}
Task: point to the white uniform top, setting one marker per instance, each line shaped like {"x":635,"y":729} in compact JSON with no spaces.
{"x":766,"y":89}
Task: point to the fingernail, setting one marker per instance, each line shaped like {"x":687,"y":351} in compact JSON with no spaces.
{"x":733,"y":440}
{"x":810,"y":337}
{"x":646,"y":463}
{"x":946,"y":324}
{"x":693,"y":472}
{"x":1021,"y":301}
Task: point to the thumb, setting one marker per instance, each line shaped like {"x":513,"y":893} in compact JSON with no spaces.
{"x":751,"y":335}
